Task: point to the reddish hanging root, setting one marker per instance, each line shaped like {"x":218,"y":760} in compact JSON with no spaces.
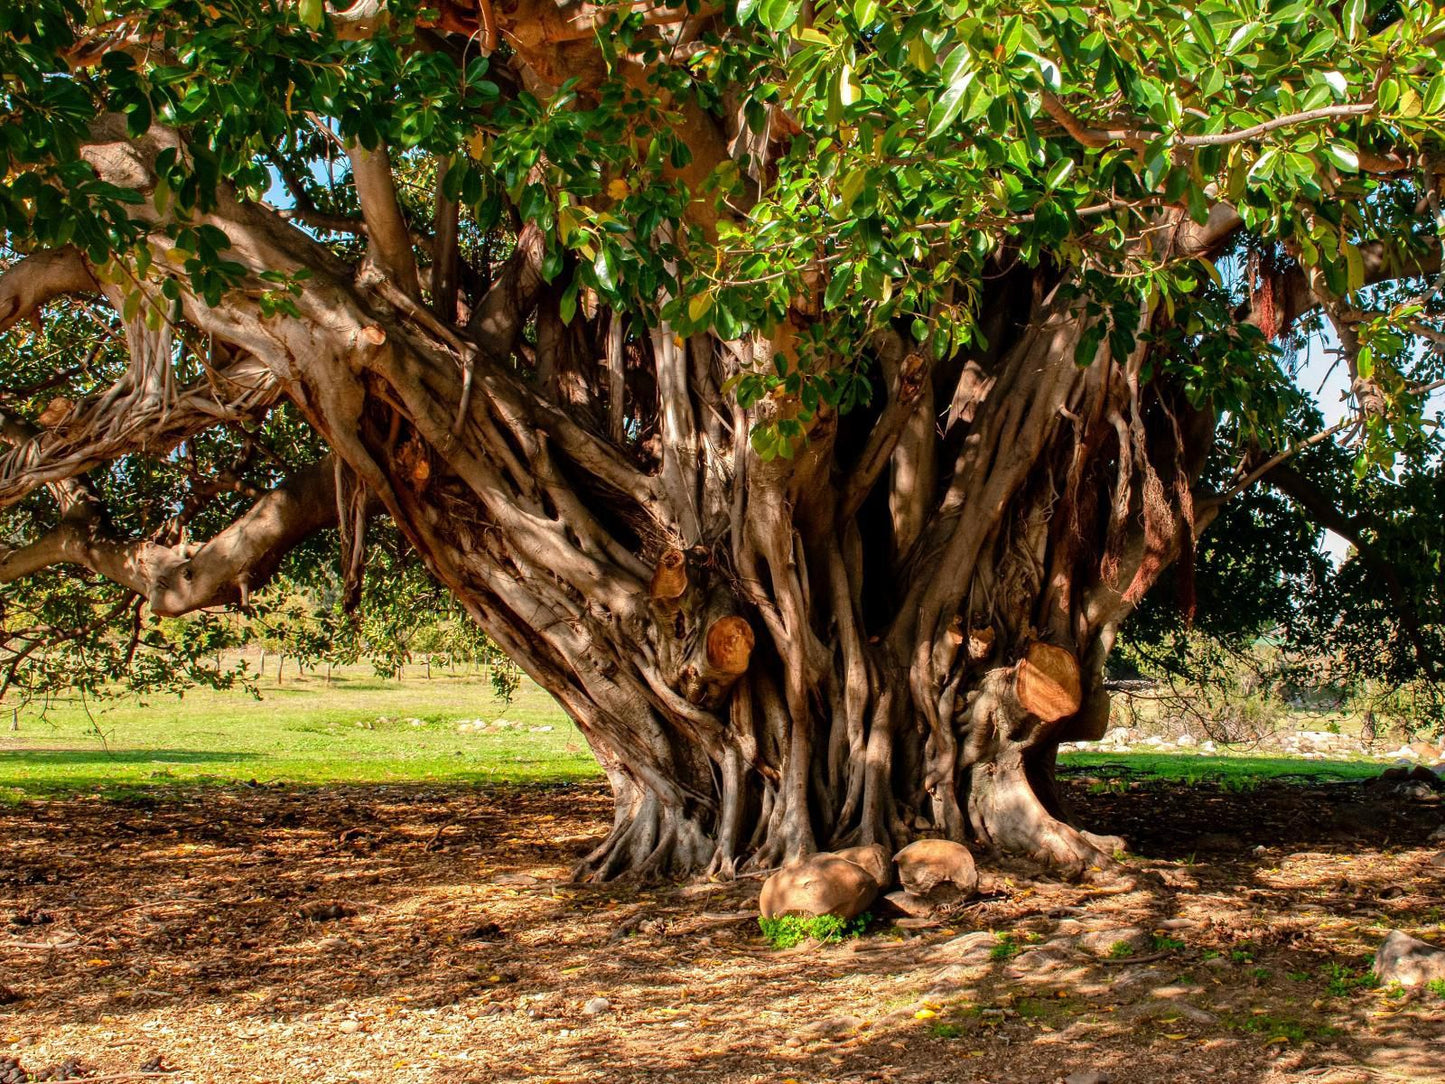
{"x":1264,"y":289}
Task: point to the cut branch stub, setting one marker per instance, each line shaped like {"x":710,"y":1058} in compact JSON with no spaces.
{"x":730,"y":645}
{"x":669,"y":579}
{"x":1047,"y":682}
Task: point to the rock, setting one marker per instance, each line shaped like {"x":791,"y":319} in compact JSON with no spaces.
{"x":1186,"y":741}
{"x":1408,"y":960}
{"x":835,"y":1027}
{"x":1438,"y":835}
{"x":1421,"y":774}
{"x":1438,"y":861}
{"x":350,"y":1027}
{"x":1087,"y":1076}
{"x":596,"y":1006}
{"x":322,"y":911}
{"x":1103,"y":942}
{"x":539,"y":729}
{"x":906,"y":903}
{"x":822,"y":885}
{"x":928,"y":863}
{"x":873,"y":858}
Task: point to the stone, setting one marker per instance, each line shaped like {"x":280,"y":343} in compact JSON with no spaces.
{"x":821,"y":885}
{"x":1408,"y":960}
{"x":596,"y":1006}
{"x":1438,"y":860}
{"x":834,"y":1027}
{"x":350,"y":1027}
{"x":1421,"y":774}
{"x":1438,"y":835}
{"x":1087,"y":1076}
{"x":873,"y":858}
{"x":906,"y":903}
{"x":928,"y":863}
{"x":1102,"y":942}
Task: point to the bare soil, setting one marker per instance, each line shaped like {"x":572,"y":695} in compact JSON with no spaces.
{"x":400,"y":934}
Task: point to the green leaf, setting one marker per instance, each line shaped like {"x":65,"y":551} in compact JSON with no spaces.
{"x":778,"y":15}
{"x":1342,"y":156}
{"x":950,"y":103}
{"x":313,"y":13}
{"x":1059,"y":172}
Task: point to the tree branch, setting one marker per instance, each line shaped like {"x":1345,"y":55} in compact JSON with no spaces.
{"x":36,"y":279}
{"x":389,"y":239}
{"x":178,"y":579}
{"x":1320,"y":507}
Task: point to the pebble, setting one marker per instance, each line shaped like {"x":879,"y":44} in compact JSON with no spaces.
{"x":1087,"y":1076}
{"x":350,"y":1027}
{"x":596,"y":1006}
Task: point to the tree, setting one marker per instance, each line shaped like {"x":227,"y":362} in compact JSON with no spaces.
{"x":801,"y":393}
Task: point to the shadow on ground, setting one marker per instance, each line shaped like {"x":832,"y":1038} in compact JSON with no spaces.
{"x":393,"y":933}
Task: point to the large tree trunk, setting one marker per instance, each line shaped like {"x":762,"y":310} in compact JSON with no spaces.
{"x":885,"y":633}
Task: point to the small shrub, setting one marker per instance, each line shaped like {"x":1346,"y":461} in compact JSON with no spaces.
{"x":1165,"y":943}
{"x":1120,"y":950}
{"x":946,"y":1031}
{"x":1436,"y":987}
{"x":786,"y":931}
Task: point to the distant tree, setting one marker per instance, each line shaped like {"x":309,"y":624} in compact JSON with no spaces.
{"x":803,"y":394}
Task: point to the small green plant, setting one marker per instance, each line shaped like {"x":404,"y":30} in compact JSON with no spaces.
{"x":1165,"y":943}
{"x":1006,"y":949}
{"x":1241,"y":956}
{"x":1120,"y":950}
{"x":1436,"y":987}
{"x":1341,"y":980}
{"x":1261,"y":973}
{"x":946,"y":1031}
{"x":785,"y":931}
{"x":1298,"y":976}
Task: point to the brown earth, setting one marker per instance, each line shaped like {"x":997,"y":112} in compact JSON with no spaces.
{"x":428,"y":934}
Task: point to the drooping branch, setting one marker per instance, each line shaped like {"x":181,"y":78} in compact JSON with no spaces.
{"x":124,"y":419}
{"x":178,"y":579}
{"x":1321,"y":508}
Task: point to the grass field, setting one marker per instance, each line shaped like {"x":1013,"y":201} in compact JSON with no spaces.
{"x":359,"y":729}
{"x":364,"y":729}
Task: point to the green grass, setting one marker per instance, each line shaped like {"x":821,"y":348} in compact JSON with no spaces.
{"x":1232,"y":771}
{"x":358,"y":730}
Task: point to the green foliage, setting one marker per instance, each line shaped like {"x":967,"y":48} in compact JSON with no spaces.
{"x":1341,"y":980}
{"x":1120,"y":950}
{"x":785,"y":931}
{"x":1436,"y":987}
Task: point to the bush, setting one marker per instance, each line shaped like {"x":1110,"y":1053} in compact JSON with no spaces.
{"x":789,"y":930}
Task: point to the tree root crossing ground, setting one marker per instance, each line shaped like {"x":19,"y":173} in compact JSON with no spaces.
{"x":391,"y":933}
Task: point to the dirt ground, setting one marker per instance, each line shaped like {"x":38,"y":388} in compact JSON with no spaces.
{"x":406,"y":934}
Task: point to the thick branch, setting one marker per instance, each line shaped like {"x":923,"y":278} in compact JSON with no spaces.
{"x":34,"y":280}
{"x":178,"y":579}
{"x":390,"y":240}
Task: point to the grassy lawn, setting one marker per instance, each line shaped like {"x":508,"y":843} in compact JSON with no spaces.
{"x":1238,"y":771}
{"x":360,"y":729}
{"x":365,"y":729}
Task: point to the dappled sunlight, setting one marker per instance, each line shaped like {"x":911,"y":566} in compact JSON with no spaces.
{"x":429,"y":933}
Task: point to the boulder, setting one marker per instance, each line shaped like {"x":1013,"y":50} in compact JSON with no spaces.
{"x":928,"y":863}
{"x":1408,"y":960}
{"x":821,"y":885}
{"x":908,"y":905}
{"x":873,"y":858}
